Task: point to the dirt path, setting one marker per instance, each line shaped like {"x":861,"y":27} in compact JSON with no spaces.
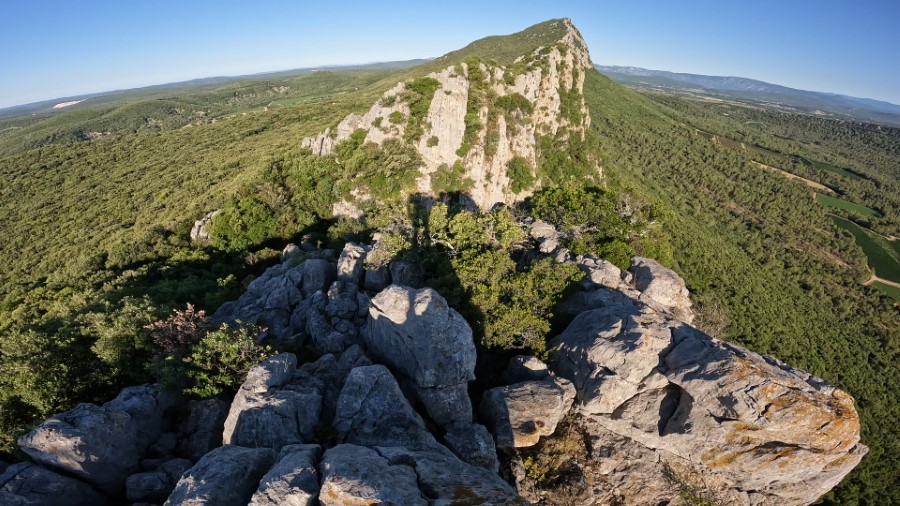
{"x":876,"y":279}
{"x":807,"y":182}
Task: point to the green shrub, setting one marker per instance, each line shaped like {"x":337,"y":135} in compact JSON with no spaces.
{"x":242,"y":223}
{"x":396,"y":117}
{"x":220,"y":361}
{"x":418,"y":95}
{"x":122,"y":342}
{"x":520,"y":174}
{"x":588,"y":219}
{"x":514,"y":103}
{"x":200,"y":359}
{"x":450,"y":179}
{"x":432,"y":141}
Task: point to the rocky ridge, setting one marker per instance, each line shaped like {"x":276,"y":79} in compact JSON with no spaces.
{"x":546,"y":79}
{"x":384,"y":415}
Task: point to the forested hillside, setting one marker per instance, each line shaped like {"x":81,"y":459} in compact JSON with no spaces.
{"x":763,"y":260}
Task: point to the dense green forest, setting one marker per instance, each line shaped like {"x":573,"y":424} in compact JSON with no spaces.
{"x":763,"y":260}
{"x":96,"y":246}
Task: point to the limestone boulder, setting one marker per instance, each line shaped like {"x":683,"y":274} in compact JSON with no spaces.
{"x":747,"y":421}
{"x":611,"y":354}
{"x":444,"y":479}
{"x":31,"y":484}
{"x":350,"y":263}
{"x":358,"y":475}
{"x":372,"y":411}
{"x":473,"y":444}
{"x":155,"y":486}
{"x":599,"y":272}
{"x":200,"y":230}
{"x":332,"y":370}
{"x":102,"y":444}
{"x":226,"y":476}
{"x":520,"y":414}
{"x":417,"y":333}
{"x":545,"y":235}
{"x":274,"y":406}
{"x":202,"y":430}
{"x":271,"y":300}
{"x":293,"y":480}
{"x":662,"y":286}
{"x":317,"y":275}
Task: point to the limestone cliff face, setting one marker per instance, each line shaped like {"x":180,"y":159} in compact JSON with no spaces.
{"x":550,"y":79}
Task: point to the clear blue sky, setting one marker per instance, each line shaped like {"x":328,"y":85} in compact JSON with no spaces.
{"x":51,"y":49}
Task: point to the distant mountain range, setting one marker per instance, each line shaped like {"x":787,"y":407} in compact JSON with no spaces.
{"x":741,"y":88}
{"x":47,"y":105}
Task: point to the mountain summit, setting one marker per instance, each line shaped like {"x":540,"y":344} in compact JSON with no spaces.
{"x":484,"y":122}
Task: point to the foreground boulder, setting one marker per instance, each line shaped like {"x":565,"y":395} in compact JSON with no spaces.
{"x":662,"y":286}
{"x":155,"y":486}
{"x":274,"y":406}
{"x":520,"y":414}
{"x":226,"y":476}
{"x":101,"y":444}
{"x":357,"y":475}
{"x":293,"y":480}
{"x":28,"y":483}
{"x":389,"y":456}
{"x":771,"y":433}
{"x":372,"y":411}
{"x":418,"y":334}
{"x":473,"y":444}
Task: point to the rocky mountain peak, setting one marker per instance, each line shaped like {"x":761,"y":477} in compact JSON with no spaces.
{"x":485,"y":124}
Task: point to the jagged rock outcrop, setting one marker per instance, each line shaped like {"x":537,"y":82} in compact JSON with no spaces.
{"x":418,"y":334}
{"x":773,"y":434}
{"x":372,"y":411}
{"x":373,"y":415}
{"x":101,"y":444}
{"x":272,"y":300}
{"x":660,"y":405}
{"x":550,"y":79}
{"x":26,"y":483}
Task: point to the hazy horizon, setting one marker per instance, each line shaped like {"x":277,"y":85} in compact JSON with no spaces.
{"x":60,"y":50}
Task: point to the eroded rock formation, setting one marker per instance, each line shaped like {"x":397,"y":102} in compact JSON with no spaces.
{"x":553,"y":76}
{"x":384,"y":413}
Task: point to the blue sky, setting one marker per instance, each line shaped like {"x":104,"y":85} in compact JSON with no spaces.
{"x":51,"y":49}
